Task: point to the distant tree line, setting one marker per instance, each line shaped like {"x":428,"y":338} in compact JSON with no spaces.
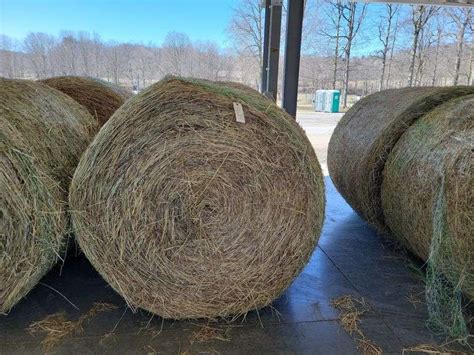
{"x":355,"y":47}
{"x":41,"y":55}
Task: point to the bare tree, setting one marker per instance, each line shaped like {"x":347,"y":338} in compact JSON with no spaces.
{"x":353,"y":20}
{"x":387,"y":31}
{"x":462,"y":17}
{"x":440,"y":34}
{"x":210,"y":62}
{"x":146,"y":65}
{"x":471,"y":64}
{"x":425,"y":44}
{"x":68,"y":53}
{"x":83,"y":45}
{"x":471,"y":56}
{"x":97,"y":48}
{"x":246,"y":30}
{"x":175,"y":50}
{"x":392,"y":48}
{"x":334,"y":12}
{"x":7,"y":57}
{"x":114,"y":66}
{"x":39,"y":45}
{"x":420,"y":16}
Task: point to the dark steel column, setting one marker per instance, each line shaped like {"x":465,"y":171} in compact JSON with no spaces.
{"x":294,"y":29}
{"x":274,"y":50}
{"x":266,"y":35}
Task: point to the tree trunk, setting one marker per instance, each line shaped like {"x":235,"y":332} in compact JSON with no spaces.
{"x":459,"y":50}
{"x":346,"y":74}
{"x":413,"y":56}
{"x":471,"y":64}
{"x":350,"y":38}
{"x":392,"y":50}
{"x":336,"y":51}
{"x":435,"y":70}
{"x":386,"y":47}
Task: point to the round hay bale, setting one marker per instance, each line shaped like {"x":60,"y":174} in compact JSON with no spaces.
{"x":188,"y":213}
{"x":428,"y":190}
{"x":247,"y":89}
{"x":365,"y":136}
{"x":42,"y":135}
{"x":99,"y":97}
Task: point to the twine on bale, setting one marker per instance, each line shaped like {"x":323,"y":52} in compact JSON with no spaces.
{"x":365,"y":136}
{"x":42,"y":135}
{"x":188,"y":213}
{"x":99,"y":97}
{"x":428,"y":199}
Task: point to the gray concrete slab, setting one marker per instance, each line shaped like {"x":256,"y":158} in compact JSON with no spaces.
{"x":350,"y":259}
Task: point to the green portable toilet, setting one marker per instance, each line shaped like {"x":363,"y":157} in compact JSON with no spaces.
{"x":333,"y":98}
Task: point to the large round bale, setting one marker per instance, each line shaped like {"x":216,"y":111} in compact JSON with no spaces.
{"x":247,"y":89}
{"x":365,"y":136}
{"x":428,"y":190}
{"x":99,"y":97}
{"x":42,"y":135}
{"x":188,"y":213}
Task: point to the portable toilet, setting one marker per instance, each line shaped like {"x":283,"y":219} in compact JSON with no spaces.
{"x":332,"y":101}
{"x":319,"y":101}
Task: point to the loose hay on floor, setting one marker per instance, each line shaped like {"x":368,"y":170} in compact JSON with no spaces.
{"x":42,"y":135}
{"x":365,"y":136}
{"x":351,"y":310}
{"x":428,"y":199}
{"x":99,"y":97}
{"x":188,"y":213}
{"x":431,"y":349}
{"x":57,"y":327}
{"x":206,"y":333}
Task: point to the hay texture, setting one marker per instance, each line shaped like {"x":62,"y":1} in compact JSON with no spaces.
{"x":99,"y":97}
{"x":365,"y":136}
{"x":246,"y":89}
{"x":428,"y":196}
{"x":188,"y":213}
{"x":42,"y":135}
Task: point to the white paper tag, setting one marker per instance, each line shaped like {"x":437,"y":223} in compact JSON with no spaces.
{"x":239,"y":112}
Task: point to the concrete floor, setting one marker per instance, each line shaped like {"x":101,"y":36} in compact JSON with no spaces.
{"x":350,"y":260}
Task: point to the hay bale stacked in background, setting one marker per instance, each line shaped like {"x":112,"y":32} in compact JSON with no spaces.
{"x":404,"y":161}
{"x":365,"y":136}
{"x":428,"y":191}
{"x":188,"y":213}
{"x":42,"y":136}
{"x":99,"y":97}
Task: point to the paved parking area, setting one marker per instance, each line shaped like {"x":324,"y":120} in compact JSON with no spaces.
{"x":319,"y":127}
